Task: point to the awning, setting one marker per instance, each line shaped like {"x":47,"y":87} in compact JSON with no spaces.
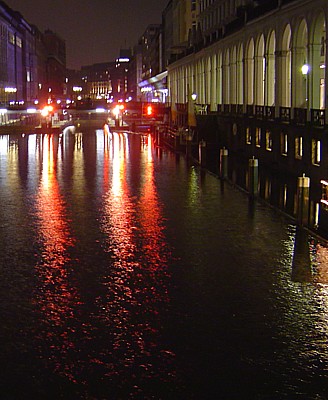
{"x":157,"y":81}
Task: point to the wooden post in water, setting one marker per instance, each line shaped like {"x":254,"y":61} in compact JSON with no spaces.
{"x":224,"y":163}
{"x":303,"y":200}
{"x":253,"y":176}
{"x":189,"y":135}
{"x":158,"y":136}
{"x":202,"y":153}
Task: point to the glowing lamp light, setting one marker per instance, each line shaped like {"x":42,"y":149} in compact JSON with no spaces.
{"x":116,"y":111}
{"x":149,"y":110}
{"x":46,"y":111}
{"x":100,"y":110}
{"x":305,"y":69}
{"x":194,"y":96}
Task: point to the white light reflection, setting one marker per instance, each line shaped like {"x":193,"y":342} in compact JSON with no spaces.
{"x":134,"y":281}
{"x":4,"y":145}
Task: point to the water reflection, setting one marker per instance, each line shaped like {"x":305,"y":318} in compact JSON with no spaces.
{"x":135,"y":278}
{"x":310,"y":259}
{"x":321,"y":263}
{"x":55,"y":296}
{"x":301,"y":271}
{"x":148,"y":281}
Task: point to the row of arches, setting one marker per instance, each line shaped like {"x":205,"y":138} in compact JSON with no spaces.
{"x":282,"y":64}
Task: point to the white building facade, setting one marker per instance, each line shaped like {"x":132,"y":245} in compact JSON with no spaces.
{"x":275,"y":61}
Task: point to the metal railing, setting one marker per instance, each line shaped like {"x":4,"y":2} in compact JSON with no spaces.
{"x":298,"y":116}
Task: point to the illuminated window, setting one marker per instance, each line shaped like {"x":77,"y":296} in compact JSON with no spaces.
{"x":284,"y":143}
{"x":248,"y":135}
{"x":11,"y":38}
{"x":268,"y":140}
{"x":324,"y":194}
{"x":285,"y":195}
{"x":316,"y":152}
{"x":258,"y":137}
{"x":314,"y":213}
{"x":267,"y":189}
{"x":299,"y":147}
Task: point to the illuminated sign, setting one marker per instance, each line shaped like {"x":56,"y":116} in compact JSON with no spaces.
{"x":10,"y":90}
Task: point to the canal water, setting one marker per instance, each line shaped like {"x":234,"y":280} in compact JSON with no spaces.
{"x":127,"y":272}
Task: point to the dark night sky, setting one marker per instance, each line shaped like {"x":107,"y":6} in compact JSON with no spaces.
{"x":94,"y":30}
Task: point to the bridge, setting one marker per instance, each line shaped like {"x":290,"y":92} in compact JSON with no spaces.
{"x":32,"y":120}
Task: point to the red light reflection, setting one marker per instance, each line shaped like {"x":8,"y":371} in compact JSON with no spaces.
{"x":55,"y":295}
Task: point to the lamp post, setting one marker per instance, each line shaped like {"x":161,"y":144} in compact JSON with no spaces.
{"x":305,"y":72}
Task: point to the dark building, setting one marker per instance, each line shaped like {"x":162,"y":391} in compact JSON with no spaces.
{"x":32,"y":64}
{"x":107,"y":81}
{"x":151,"y":55}
{"x":18,"y":71}
{"x":120,"y":76}
{"x":167,"y":27}
{"x":135,"y":73}
{"x":97,"y":81}
{"x":55,"y":48}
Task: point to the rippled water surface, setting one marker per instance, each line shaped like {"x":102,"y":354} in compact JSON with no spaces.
{"x":128,"y":273}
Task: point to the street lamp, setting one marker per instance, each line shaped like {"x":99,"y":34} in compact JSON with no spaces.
{"x":305,"y":71}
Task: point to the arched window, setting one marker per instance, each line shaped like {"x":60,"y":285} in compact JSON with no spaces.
{"x":260,"y":72}
{"x":240,"y":76}
{"x":249,"y":65}
{"x":285,"y":60}
{"x":301,"y":67}
{"x":270,"y":70}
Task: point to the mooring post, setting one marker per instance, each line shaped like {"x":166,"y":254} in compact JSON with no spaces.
{"x":202,"y":153}
{"x":188,"y":143}
{"x":224,"y":163}
{"x":253,"y":176}
{"x":303,"y":200}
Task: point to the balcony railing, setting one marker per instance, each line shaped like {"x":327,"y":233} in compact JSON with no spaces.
{"x":318,"y":117}
{"x":284,"y":114}
{"x":259,"y":111}
{"x":300,"y":116}
{"x":250,"y":110}
{"x":270,"y":112}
